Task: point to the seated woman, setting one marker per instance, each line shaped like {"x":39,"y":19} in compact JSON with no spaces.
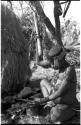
{"x":63,"y":91}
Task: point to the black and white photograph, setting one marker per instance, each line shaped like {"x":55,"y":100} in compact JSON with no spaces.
{"x":40,"y":62}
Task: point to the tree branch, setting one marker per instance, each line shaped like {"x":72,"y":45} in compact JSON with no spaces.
{"x":45,"y":19}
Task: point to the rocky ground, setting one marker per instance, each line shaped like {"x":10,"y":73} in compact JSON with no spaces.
{"x":24,"y":112}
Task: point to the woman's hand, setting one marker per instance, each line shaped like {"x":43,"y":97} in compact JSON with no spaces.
{"x":37,"y":100}
{"x":42,"y":100}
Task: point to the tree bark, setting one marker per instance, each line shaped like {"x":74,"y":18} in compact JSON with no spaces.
{"x":54,"y":31}
{"x":57,"y":22}
{"x":46,"y":20}
{"x":38,"y":44}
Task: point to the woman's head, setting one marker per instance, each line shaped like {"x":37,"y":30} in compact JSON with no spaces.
{"x":57,"y":55}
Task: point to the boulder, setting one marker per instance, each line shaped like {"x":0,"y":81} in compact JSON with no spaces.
{"x":25,"y":92}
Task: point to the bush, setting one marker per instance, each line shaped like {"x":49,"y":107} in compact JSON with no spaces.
{"x":14,"y":54}
{"x":70,"y":33}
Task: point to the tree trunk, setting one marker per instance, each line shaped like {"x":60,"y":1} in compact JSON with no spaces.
{"x":46,"y":20}
{"x":54,"y":31}
{"x":37,"y":32}
{"x":38,"y":44}
{"x":57,"y":22}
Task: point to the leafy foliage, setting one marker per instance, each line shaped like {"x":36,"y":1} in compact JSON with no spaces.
{"x":70,"y":32}
{"x":14,"y":56}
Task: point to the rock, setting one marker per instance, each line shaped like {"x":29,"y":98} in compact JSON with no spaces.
{"x":25,"y":92}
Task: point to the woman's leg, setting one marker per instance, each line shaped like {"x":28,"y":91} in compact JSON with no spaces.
{"x":45,"y":87}
{"x":61,"y":113}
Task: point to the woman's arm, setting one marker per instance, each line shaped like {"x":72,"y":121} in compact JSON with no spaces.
{"x":64,"y":85}
{"x":61,"y":91}
{"x":63,"y":88}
